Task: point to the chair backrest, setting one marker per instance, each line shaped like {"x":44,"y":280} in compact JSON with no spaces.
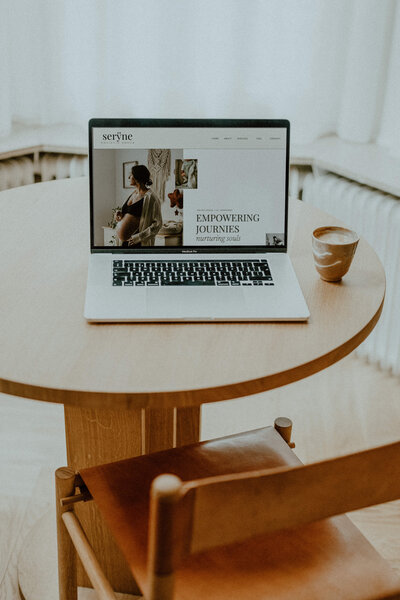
{"x":193,"y":516}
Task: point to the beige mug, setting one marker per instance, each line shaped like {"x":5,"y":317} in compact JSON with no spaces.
{"x":333,"y":250}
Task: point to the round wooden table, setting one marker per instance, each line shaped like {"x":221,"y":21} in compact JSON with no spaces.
{"x":134,"y":388}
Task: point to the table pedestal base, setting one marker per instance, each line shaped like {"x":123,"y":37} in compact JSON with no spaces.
{"x":100,"y":436}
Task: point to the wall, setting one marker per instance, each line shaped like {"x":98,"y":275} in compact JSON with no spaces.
{"x":103,"y":192}
{"x":121,"y":156}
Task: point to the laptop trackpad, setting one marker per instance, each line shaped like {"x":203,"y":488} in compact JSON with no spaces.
{"x":195,"y":302}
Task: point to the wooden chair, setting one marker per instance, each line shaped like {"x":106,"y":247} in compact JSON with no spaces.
{"x":237,"y":518}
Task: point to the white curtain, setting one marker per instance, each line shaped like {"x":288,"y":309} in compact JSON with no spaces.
{"x":330,"y":66}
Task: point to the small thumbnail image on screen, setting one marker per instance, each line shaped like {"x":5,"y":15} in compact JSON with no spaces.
{"x":275,"y":239}
{"x":186,"y":173}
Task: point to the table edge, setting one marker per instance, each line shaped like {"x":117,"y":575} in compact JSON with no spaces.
{"x":185,"y":398}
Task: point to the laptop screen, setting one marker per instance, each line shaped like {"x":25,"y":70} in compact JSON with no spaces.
{"x":188,"y":186}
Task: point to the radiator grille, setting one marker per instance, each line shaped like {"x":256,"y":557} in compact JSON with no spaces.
{"x":23,"y":170}
{"x":60,"y":166}
{"x":16,"y":172}
{"x":376,"y":216}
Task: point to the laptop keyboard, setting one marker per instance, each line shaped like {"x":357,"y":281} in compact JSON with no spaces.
{"x":191,"y":273}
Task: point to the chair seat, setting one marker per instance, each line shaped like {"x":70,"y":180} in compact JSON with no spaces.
{"x":330,"y":559}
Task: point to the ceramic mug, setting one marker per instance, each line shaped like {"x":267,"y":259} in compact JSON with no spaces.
{"x":333,"y":250}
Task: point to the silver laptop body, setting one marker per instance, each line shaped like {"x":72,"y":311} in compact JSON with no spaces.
{"x":188,"y":221}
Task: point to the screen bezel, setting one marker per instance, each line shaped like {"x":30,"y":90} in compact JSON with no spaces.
{"x":245,"y":123}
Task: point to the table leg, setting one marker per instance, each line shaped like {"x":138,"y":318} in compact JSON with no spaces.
{"x":158,"y":429}
{"x":168,"y":428}
{"x":187,"y":425}
{"x":99,"y":436}
{"x":94,"y":437}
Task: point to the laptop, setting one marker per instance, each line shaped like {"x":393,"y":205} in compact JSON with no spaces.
{"x":189,"y":221}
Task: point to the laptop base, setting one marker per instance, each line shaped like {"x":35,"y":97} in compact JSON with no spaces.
{"x":283,"y":301}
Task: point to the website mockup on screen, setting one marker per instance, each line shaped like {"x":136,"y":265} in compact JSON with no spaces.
{"x":208,"y":187}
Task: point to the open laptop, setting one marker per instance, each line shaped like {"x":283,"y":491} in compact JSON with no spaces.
{"x":188,"y":221}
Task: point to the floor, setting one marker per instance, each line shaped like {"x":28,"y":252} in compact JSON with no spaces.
{"x":348,"y":407}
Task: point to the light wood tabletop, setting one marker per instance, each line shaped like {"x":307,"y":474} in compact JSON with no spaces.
{"x":135,"y":388}
{"x":51,"y":353}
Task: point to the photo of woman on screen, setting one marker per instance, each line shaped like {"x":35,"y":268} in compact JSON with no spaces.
{"x":139,"y":219}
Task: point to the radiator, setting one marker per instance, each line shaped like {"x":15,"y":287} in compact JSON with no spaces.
{"x":376,"y":216}
{"x":60,"y":166}
{"x":16,"y":172}
{"x":23,"y":170}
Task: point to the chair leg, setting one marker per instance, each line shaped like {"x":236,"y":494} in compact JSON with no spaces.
{"x":283,"y":426}
{"x":67,"y":580}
